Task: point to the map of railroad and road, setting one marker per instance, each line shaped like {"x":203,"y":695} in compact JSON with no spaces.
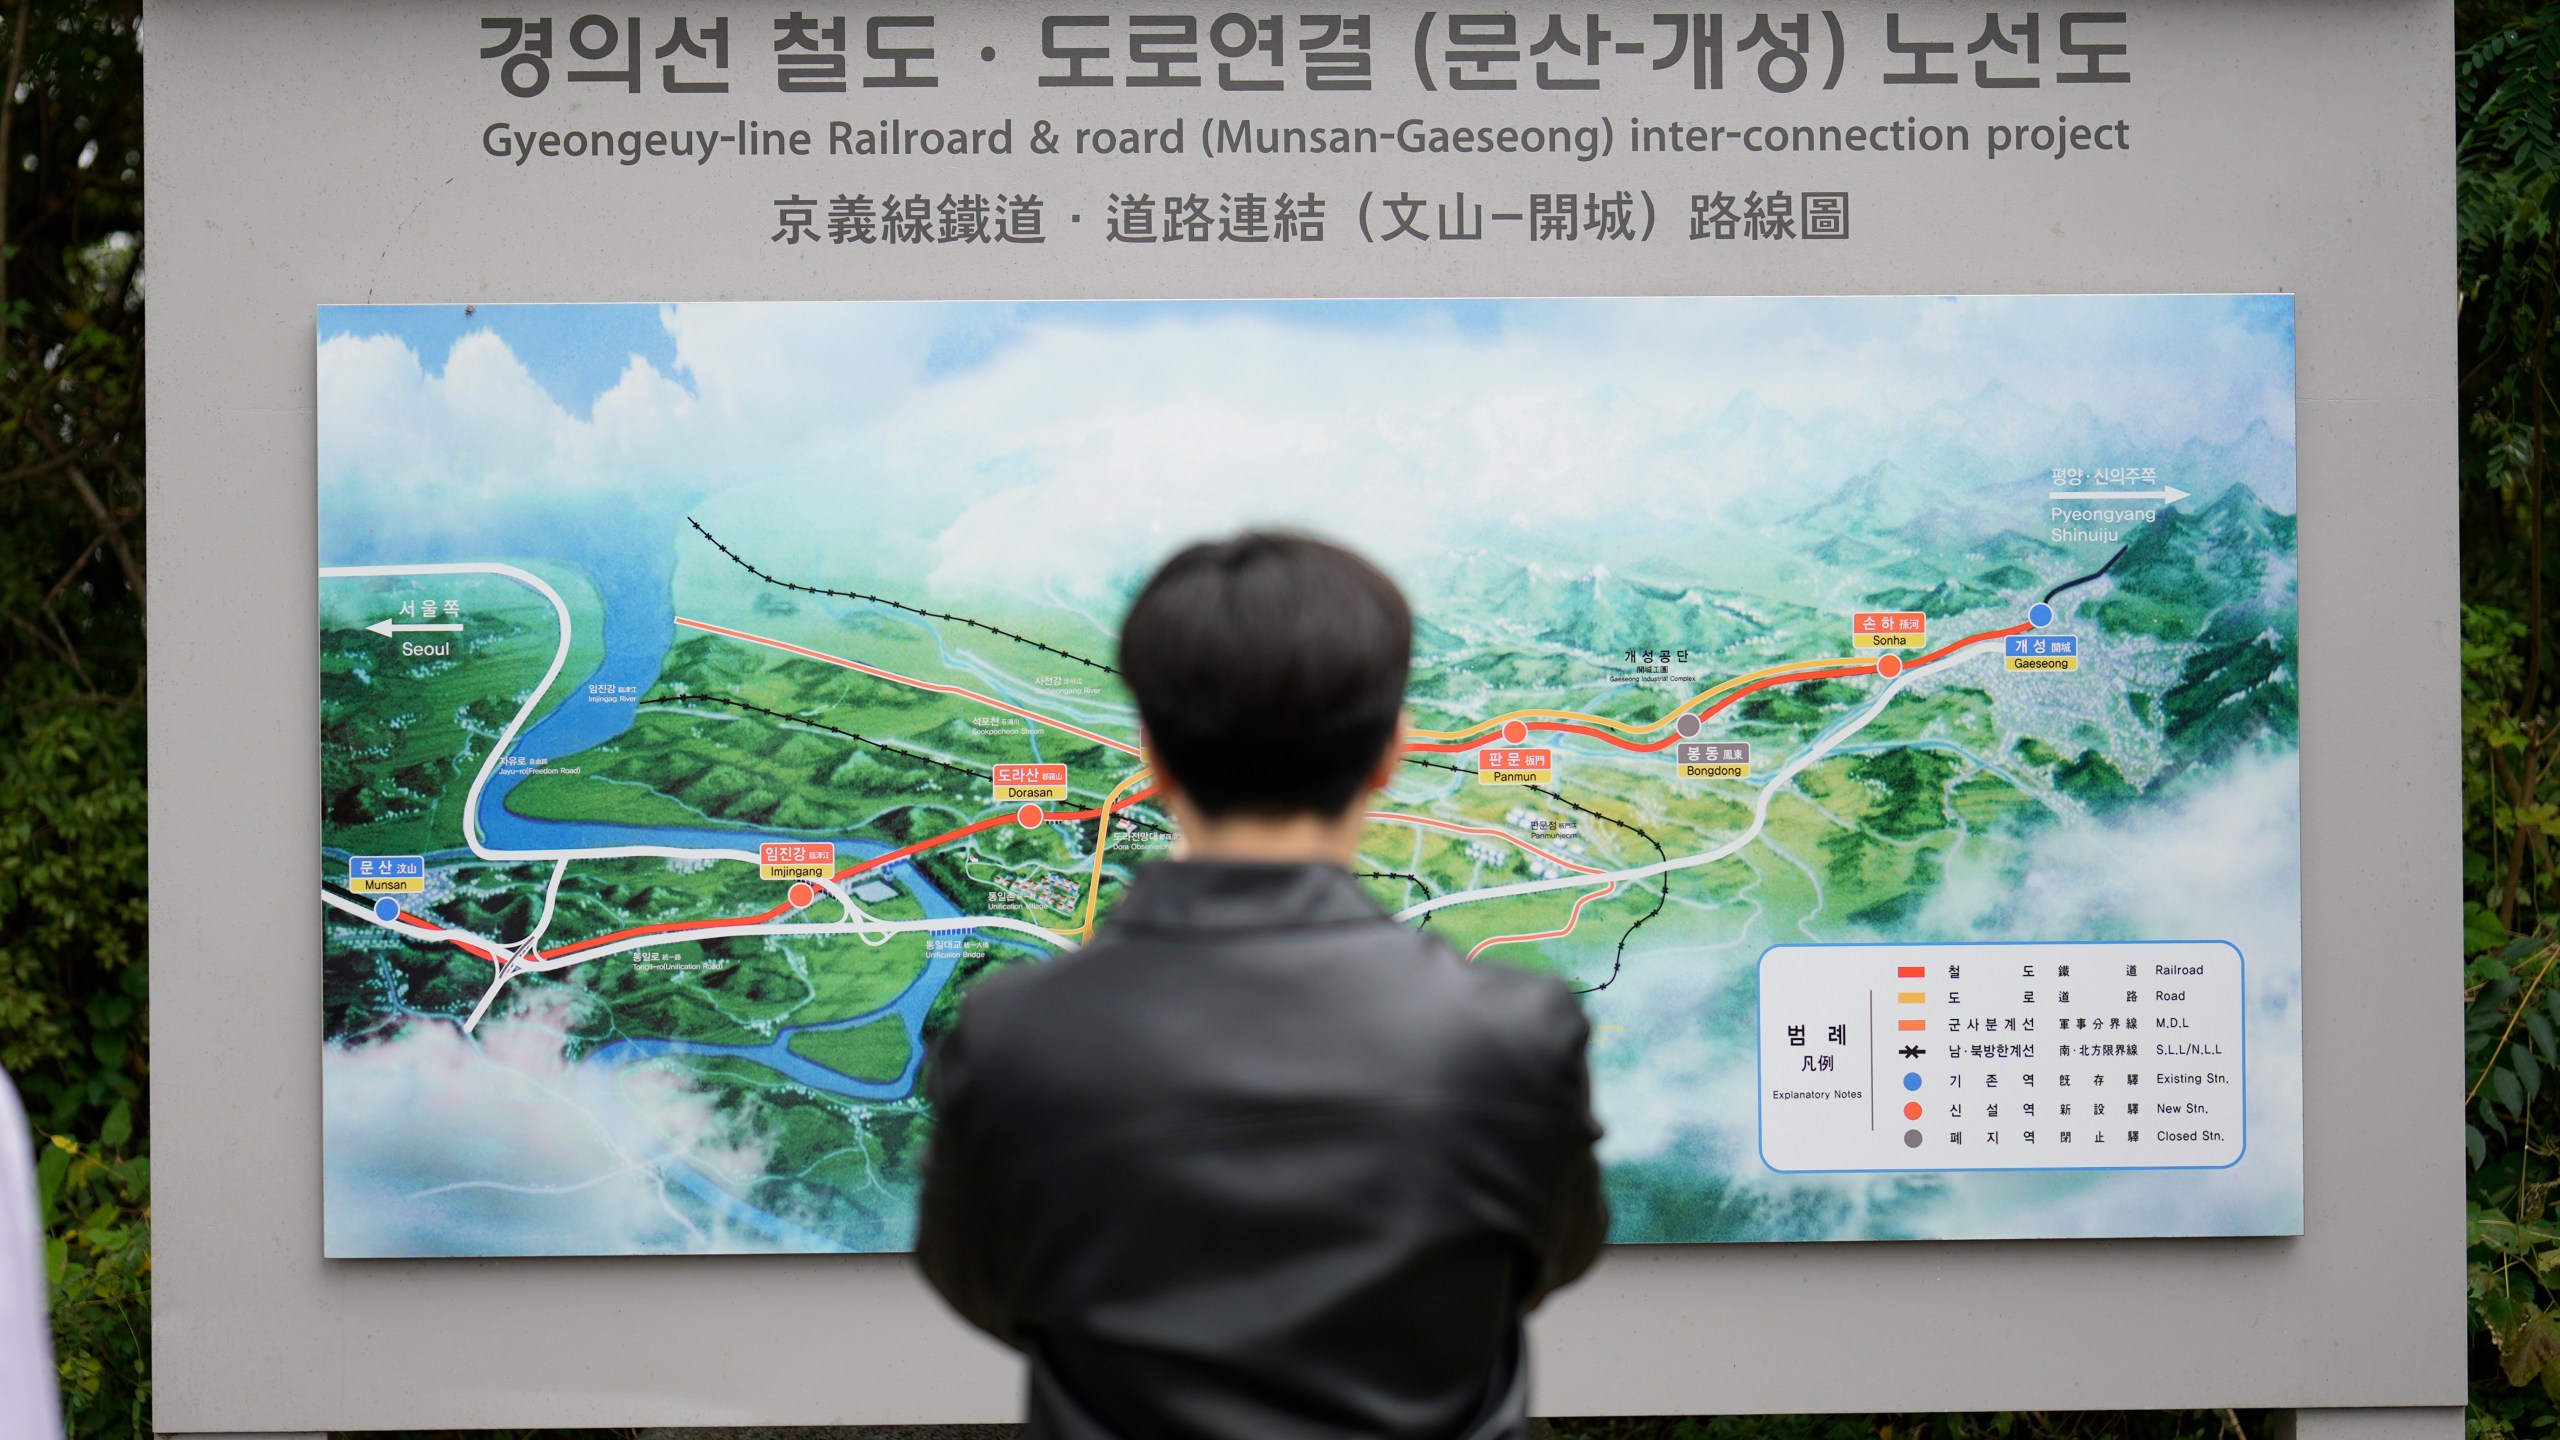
{"x":712,"y":695}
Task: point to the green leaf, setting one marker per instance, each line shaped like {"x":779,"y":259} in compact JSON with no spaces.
{"x":119,"y":1126}
{"x":2481,"y":929}
{"x":2510,"y":1094}
{"x":51,"y":1166}
{"x":2529,"y":1347}
{"x":2476,"y":1143}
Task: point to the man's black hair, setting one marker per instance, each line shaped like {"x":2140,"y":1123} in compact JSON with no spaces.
{"x":1269,"y":669}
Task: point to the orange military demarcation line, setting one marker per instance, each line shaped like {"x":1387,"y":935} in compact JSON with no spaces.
{"x":1400,"y":818}
{"x":894,"y":677}
{"x":1570,"y":921}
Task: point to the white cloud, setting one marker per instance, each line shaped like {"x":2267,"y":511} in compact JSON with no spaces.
{"x":437,"y":1144}
{"x":481,"y":434}
{"x":2221,"y":863}
{"x":1074,"y":441}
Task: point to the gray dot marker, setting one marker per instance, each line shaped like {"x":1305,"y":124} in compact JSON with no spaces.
{"x":1688,"y":726}
{"x":1911,"y":1138}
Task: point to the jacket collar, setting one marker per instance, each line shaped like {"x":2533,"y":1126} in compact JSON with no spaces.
{"x":1226,"y":894}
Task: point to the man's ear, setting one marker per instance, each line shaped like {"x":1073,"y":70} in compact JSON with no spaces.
{"x":1167,"y":788}
{"x":1383,"y":774}
{"x":1170,"y":797}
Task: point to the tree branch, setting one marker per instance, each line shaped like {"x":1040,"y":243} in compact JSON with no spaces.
{"x":61,"y":647}
{"x":115,"y":537}
{"x":86,"y":553}
{"x":47,"y":467}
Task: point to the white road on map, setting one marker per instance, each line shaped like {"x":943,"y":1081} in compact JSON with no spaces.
{"x":525,"y":957}
{"x":506,"y":738}
{"x":1759,"y":816}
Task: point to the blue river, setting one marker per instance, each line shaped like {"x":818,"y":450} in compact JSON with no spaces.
{"x":632,"y":566}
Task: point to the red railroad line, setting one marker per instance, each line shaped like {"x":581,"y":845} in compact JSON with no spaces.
{"x":669,"y":927}
{"x":677,"y":927}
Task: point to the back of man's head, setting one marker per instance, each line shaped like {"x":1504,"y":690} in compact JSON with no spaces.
{"x":1269,"y":670}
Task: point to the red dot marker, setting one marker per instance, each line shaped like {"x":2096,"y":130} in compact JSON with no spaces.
{"x":1889,"y":666}
{"x":1911,"y":1111}
{"x":1029,"y":817}
{"x":1514,"y":733}
{"x":802,"y":894}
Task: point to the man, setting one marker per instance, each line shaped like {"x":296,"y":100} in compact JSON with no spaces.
{"x":1259,"y":1162}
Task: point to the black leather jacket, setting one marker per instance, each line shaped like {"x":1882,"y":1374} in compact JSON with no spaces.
{"x":1261,"y":1163}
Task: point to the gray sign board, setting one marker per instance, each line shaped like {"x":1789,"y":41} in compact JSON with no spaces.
{"x":305,"y":154}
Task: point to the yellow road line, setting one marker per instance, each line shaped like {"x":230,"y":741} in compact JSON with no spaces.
{"x":1101,"y":840}
{"x":1102,"y":836}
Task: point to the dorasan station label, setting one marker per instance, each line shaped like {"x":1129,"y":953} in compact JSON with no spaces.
{"x":1031,"y":782}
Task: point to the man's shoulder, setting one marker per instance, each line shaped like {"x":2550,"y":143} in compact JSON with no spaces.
{"x":1528,"y":1022}
{"x":1408,"y":984}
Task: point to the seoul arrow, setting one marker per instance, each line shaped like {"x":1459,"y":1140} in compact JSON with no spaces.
{"x":2166,"y":495}
{"x":385,"y":627}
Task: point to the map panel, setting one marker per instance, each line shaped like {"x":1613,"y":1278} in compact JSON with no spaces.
{"x":712,"y":694}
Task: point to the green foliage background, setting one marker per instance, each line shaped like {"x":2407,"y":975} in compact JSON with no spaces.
{"x":2508,"y":90}
{"x":73,"y":595}
{"x":72,"y":689}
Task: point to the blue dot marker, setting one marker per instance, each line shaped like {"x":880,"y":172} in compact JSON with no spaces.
{"x":1911,"y":1080}
{"x":2039,"y":614}
{"x":386,"y":909}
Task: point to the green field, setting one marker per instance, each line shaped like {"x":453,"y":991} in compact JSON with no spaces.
{"x":874,"y":1051}
{"x":401,"y":737}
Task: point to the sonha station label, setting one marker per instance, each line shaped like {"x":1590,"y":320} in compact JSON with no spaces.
{"x":796,"y":859}
{"x":1713,"y":759}
{"x":1889,"y":629}
{"x":1515,"y":767}
{"x":1017,"y":783}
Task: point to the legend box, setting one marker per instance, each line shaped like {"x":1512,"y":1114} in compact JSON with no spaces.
{"x":2047,"y":1056}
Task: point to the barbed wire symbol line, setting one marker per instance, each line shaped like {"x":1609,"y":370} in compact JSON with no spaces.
{"x":742,"y":563}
